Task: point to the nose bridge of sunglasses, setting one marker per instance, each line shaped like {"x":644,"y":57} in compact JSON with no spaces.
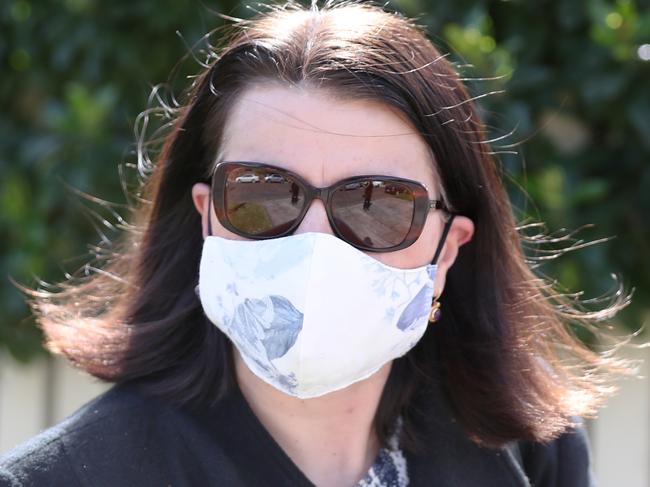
{"x":315,"y":219}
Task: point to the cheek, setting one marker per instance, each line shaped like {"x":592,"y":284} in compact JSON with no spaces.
{"x":420,"y":253}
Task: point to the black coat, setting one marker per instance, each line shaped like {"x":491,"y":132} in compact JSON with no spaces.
{"x":124,"y":438}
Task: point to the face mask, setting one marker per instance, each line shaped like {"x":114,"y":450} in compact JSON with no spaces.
{"x":309,"y":313}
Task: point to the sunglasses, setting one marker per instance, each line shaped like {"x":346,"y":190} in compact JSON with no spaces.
{"x":372,"y":213}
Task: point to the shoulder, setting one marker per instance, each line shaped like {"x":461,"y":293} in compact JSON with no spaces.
{"x":105,"y":429}
{"x":562,"y":462}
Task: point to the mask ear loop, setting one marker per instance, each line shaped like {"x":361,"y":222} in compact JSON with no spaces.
{"x":435,"y":313}
{"x":210,"y":220}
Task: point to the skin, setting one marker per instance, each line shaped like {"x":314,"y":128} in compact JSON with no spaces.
{"x":325,"y":138}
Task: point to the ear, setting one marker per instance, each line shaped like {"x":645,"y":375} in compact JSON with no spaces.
{"x":202,"y":199}
{"x":460,"y":232}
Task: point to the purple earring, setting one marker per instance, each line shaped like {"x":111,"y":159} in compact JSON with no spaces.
{"x":435,"y":313}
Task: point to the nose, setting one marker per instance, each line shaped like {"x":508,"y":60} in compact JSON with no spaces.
{"x":315,"y":219}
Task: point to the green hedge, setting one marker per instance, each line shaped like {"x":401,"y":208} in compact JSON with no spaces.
{"x":569,"y":80}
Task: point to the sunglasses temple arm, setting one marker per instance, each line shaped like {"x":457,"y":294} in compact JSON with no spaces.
{"x":443,"y":237}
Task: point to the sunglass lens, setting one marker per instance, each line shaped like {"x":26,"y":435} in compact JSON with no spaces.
{"x":373,"y":213}
{"x":262,"y":202}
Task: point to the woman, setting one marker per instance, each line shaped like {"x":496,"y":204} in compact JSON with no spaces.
{"x":327,"y":203}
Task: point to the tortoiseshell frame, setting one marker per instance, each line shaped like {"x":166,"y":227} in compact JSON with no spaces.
{"x":421,"y":201}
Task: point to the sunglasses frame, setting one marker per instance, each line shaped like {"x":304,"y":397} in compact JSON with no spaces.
{"x":421,"y":202}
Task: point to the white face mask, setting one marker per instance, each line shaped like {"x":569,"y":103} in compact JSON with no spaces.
{"x":309,"y":313}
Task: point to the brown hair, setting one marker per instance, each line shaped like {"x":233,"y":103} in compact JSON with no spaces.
{"x":511,"y":365}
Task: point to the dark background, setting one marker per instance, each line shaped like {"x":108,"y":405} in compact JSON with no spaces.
{"x":76,"y":74}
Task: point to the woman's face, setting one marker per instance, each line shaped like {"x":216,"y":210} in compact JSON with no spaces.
{"x":324,"y":140}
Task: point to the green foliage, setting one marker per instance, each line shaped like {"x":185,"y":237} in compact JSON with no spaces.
{"x":76,"y":73}
{"x":575,"y":95}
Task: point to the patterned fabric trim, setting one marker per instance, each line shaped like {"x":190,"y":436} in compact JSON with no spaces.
{"x":389,"y":469}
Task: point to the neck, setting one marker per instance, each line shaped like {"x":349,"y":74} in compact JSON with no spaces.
{"x":330,"y":438}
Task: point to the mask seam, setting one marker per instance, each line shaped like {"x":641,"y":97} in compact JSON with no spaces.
{"x":307,"y":303}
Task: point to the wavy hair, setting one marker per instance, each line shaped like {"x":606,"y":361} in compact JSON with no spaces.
{"x":511,"y":363}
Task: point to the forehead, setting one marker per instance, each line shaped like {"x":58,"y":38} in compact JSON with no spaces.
{"x":322,"y":137}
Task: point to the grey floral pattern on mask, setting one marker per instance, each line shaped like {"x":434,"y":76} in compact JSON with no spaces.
{"x":414,"y":314}
{"x":406,"y":289}
{"x":255,"y":292}
{"x":267,"y":328}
